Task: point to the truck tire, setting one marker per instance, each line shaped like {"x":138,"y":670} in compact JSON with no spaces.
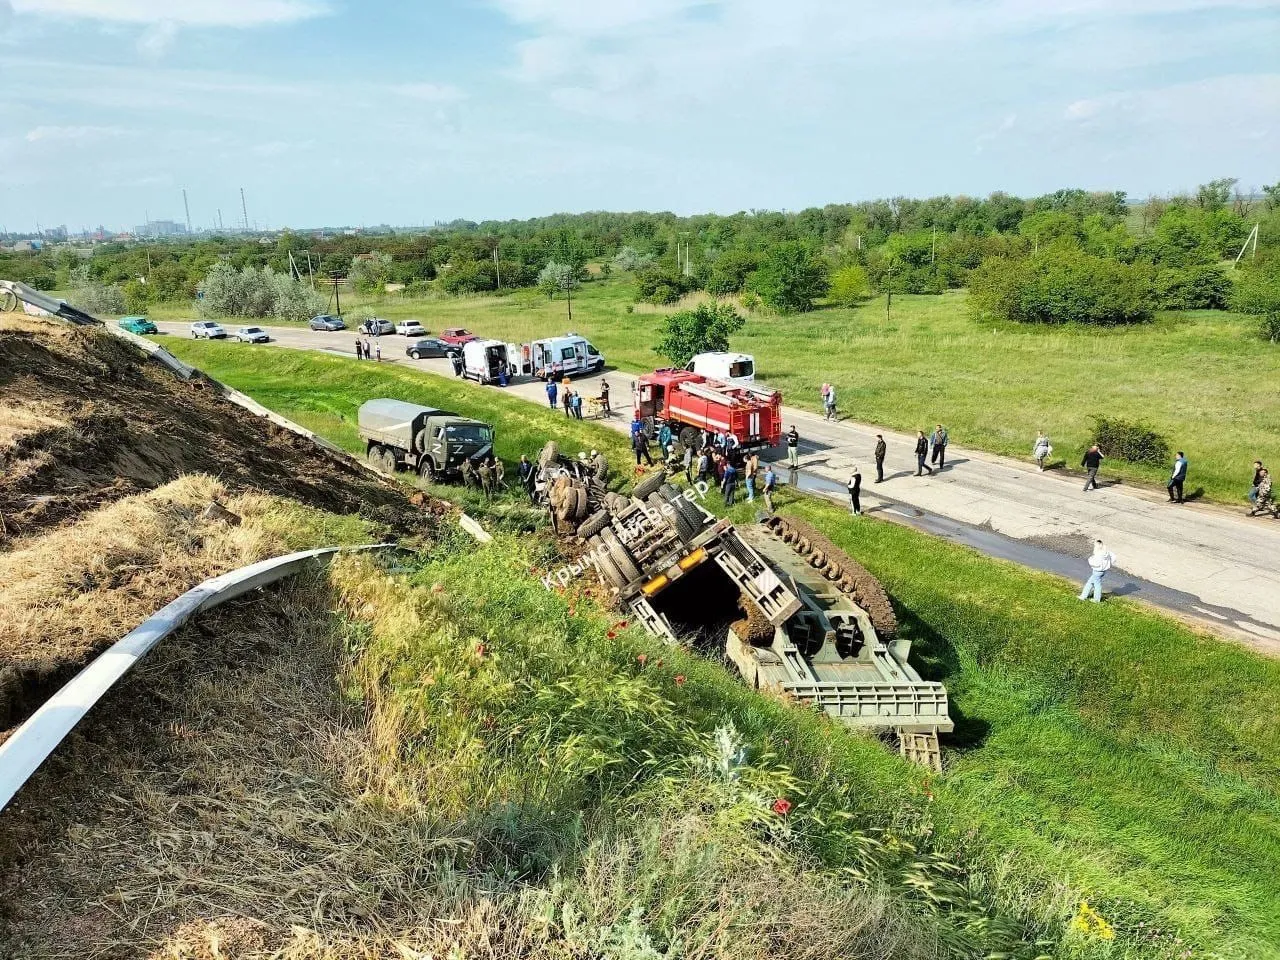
{"x":427,"y":470}
{"x":609,"y":571}
{"x":549,"y":455}
{"x":388,"y":462}
{"x":649,"y":484}
{"x":671,"y":509}
{"x":374,"y":455}
{"x":620,"y":555}
{"x":593,"y":524}
{"x":689,"y":437}
{"x":689,"y":519}
{"x":615,"y":503}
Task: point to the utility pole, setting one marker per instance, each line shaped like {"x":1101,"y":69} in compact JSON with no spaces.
{"x":245,"y":210}
{"x":888,"y":299}
{"x":187,"y":207}
{"x":497,"y":269}
{"x":568,"y":292}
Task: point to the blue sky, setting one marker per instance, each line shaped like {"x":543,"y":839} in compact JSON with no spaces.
{"x":346,"y":112}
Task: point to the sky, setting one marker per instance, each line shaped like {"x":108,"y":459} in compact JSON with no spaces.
{"x":360,"y":112}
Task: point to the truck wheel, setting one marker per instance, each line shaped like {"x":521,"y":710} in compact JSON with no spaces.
{"x":689,"y":437}
{"x":388,"y":462}
{"x":649,"y":484}
{"x":608,"y":569}
{"x":374,"y":455}
{"x":620,"y":555}
{"x":594,"y":524}
{"x":549,"y":455}
{"x":427,"y":470}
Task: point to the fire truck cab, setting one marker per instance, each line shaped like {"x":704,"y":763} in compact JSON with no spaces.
{"x":689,"y":402}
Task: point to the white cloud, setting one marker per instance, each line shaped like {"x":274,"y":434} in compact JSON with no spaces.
{"x":193,"y":13}
{"x":157,"y":39}
{"x":71,"y":134}
{"x":595,"y":17}
{"x":430,"y":92}
{"x":1228,"y":102}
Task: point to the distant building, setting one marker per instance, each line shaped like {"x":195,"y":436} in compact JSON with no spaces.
{"x":161,"y":228}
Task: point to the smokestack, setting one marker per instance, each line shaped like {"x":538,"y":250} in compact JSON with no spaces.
{"x":245,"y":210}
{"x":187,"y":208}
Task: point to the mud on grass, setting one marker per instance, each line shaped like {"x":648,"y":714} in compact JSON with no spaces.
{"x":86,"y":419}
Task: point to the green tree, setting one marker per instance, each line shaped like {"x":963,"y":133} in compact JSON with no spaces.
{"x":704,"y":328}
{"x":1257,"y":294}
{"x":1062,"y":285}
{"x":1215,"y":194}
{"x":370,"y":272}
{"x":790,"y":278}
{"x":730,"y":271}
{"x":849,"y":286}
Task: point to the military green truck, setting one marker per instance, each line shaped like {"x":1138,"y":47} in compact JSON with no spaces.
{"x":432,"y":443}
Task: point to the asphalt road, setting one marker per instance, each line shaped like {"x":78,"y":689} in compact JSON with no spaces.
{"x":1201,"y":561}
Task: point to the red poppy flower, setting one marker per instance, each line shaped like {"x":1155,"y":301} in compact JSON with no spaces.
{"x":642,"y":659}
{"x":782,"y":806}
{"x":610,"y":634}
{"x":679,"y":679}
{"x":621,"y":624}
{"x":480,"y":649}
{"x":437,"y":588}
{"x":659,"y":663}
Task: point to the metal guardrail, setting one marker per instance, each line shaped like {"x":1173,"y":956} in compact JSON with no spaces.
{"x":23,"y":753}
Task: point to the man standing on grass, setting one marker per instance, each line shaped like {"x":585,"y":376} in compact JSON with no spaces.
{"x":729,"y":485}
{"x":526,"y":475}
{"x":688,"y":464}
{"x":922,"y":454}
{"x":881,"y":449}
{"x":770,"y":485}
{"x":640,"y":444}
{"x":1091,"y":461}
{"x":793,"y":447}
{"x":749,"y":473}
{"x":704,"y":464}
{"x":1178,"y":478}
{"x":551,"y":393}
{"x":939,"y":441}
{"x":1100,"y":561}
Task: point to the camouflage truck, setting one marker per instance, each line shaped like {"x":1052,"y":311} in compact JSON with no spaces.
{"x":794,"y":614}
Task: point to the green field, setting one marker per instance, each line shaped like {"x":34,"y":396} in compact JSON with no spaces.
{"x":1203,"y":379}
{"x":1103,"y":752}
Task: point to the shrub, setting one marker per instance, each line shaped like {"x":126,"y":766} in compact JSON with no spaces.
{"x":370,"y":272}
{"x":628,"y":258}
{"x":1192,"y":288}
{"x":227,"y":292}
{"x":730,"y":271}
{"x":468,"y":276}
{"x":1257,"y":293}
{"x":706,"y":327}
{"x":1127,"y":440}
{"x":849,"y":286}
{"x":661,"y":285}
{"x":556,"y":277}
{"x":1062,"y":285}
{"x":98,"y":299}
{"x":790,"y":278}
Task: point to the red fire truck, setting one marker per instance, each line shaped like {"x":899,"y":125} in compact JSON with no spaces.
{"x":689,"y":402}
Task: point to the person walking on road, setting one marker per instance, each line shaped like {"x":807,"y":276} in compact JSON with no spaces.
{"x":855,"y":489}
{"x":829,"y":402}
{"x":1041,"y":449}
{"x":770,"y":485}
{"x":1091,"y":461}
{"x":793,"y":447}
{"x":922,"y":454}
{"x":1178,"y":478}
{"x":729,"y":485}
{"x":552,"y":389}
{"x":749,"y":474}
{"x":1258,"y":471}
{"x":939,"y":443}
{"x":881,"y":449}
{"x":1100,"y":561}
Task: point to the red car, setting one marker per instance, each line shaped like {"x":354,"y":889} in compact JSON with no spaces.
{"x":458,"y":335}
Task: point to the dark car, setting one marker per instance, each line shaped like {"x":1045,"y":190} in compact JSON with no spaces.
{"x":327,"y":321}
{"x":431,"y":347}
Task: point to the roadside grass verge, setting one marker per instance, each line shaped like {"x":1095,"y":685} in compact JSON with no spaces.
{"x":1106,"y":749}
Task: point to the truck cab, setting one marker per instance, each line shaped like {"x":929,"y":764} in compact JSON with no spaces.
{"x":721,"y":365}
{"x":433,"y":443}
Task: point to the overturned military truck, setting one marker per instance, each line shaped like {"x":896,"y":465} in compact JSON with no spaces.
{"x":791,"y":611}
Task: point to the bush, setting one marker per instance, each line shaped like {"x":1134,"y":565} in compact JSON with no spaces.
{"x":662,"y":285}
{"x":849,"y":286}
{"x":1127,"y":440}
{"x":790,"y":278}
{"x":706,"y":327}
{"x":730,"y":271}
{"x":1257,"y":293}
{"x":1062,"y":285}
{"x":628,"y":258}
{"x":1192,"y":288}
{"x":99,"y":300}
{"x":468,"y":276}
{"x":227,"y":292}
{"x":556,"y":277}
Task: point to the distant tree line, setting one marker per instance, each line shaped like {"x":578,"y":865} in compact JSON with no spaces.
{"x":1068,"y":256}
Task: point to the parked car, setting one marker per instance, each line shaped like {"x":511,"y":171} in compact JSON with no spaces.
{"x":430,"y":347}
{"x":207,"y":330}
{"x":327,"y":321}
{"x":376,"y":327}
{"x":457,"y":335}
{"x":138,"y":325}
{"x":251,"y":335}
{"x":410,"y":328}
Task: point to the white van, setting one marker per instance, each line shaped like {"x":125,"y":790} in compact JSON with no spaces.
{"x":719,"y":365}
{"x":482,"y":360}
{"x":570,"y":355}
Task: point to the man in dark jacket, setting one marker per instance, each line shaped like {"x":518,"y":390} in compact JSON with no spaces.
{"x":640,"y":444}
{"x":793,"y":447}
{"x":729,"y":484}
{"x":922,"y":453}
{"x":881,"y":448}
{"x":939,"y":442}
{"x":1178,"y":478}
{"x":527,"y":477}
{"x":855,"y":489}
{"x":1092,"y":461}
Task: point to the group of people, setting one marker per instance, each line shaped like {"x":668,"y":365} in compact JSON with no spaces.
{"x":571,"y":400}
{"x":1260,"y":492}
{"x":930,"y":450}
{"x":489,"y":474}
{"x":366,"y":352}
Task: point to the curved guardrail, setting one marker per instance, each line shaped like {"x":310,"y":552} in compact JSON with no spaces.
{"x":23,"y":753}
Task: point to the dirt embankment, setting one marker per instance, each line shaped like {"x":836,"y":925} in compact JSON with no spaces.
{"x":86,"y":419}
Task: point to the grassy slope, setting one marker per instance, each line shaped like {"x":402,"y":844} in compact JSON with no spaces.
{"x":1172,"y":735}
{"x":1203,"y":379}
